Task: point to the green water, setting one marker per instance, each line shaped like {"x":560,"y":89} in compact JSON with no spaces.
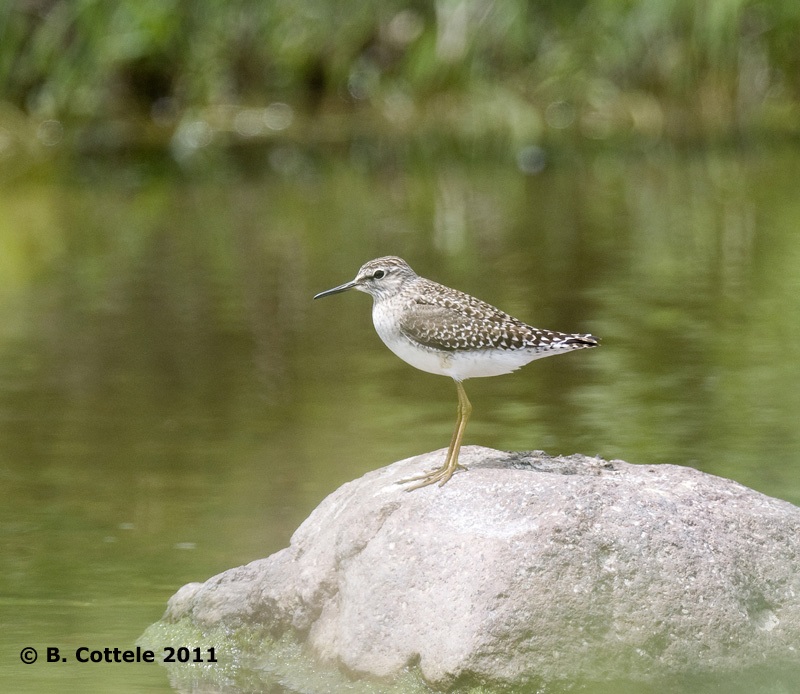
{"x":173,"y":404}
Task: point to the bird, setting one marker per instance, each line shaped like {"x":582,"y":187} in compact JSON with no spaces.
{"x":444,"y":331}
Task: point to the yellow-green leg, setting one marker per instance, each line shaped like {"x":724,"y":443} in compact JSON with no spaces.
{"x":445,"y":472}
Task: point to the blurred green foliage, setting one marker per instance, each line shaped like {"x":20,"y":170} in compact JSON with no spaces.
{"x":677,"y":68}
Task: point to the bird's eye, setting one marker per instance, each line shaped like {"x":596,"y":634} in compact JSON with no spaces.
{"x":378,"y":274}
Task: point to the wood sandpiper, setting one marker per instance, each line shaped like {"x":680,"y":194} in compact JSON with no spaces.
{"x":443,"y":331}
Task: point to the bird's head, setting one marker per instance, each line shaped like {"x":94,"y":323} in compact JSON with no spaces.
{"x":382,"y":277}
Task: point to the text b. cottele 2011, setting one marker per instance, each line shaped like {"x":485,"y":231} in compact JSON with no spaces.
{"x":84,"y":654}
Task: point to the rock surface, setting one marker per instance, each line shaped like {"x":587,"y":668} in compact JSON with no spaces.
{"x":529,"y":568}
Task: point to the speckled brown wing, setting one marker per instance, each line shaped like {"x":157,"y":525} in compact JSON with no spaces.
{"x":445,"y":319}
{"x":451,"y":321}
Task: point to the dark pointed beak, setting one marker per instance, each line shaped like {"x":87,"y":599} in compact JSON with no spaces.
{"x":336,"y":290}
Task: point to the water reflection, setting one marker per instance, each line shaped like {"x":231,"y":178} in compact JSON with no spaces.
{"x":173,"y":404}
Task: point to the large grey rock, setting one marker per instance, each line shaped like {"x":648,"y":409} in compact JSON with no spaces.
{"x":528,"y":567}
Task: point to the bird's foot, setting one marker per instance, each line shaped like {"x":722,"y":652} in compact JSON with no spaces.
{"x":441,"y":476}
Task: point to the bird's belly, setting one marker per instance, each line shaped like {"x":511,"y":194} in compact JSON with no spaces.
{"x":459,"y":365}
{"x":463,"y":365}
